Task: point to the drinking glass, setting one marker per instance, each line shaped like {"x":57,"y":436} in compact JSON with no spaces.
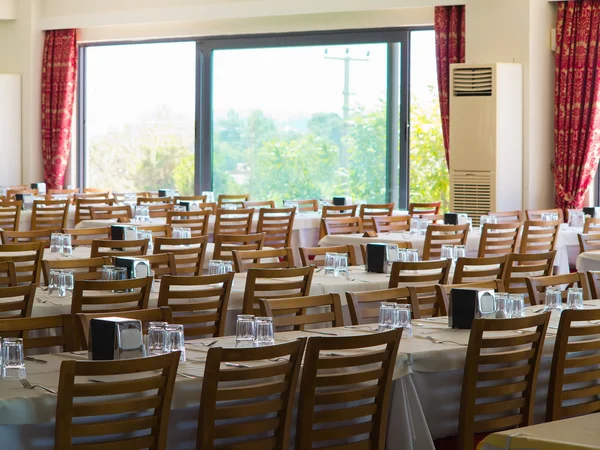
{"x":517,"y":305}
{"x":120,"y":273}
{"x":186,"y":233}
{"x":501,"y":305}
{"x":138,"y":213}
{"x":157,"y":337}
{"x":55,"y":243}
{"x":210,"y":196}
{"x":546,"y":217}
{"x":176,"y":233}
{"x":414,"y":225}
{"x":175,"y":340}
{"x":13,"y":363}
{"x":446,"y":251}
{"x":330,"y":261}
{"x":245,"y":330}
{"x":459,"y":251}
{"x":67,"y":248}
{"x":226,"y":266}
{"x":179,"y":208}
{"x":553,"y":299}
{"x":575,"y":298}
{"x":69,"y":279}
{"x":341,"y":266}
{"x":402,"y":254}
{"x":386,"y":316}
{"x":264,"y":331}
{"x":423,"y":224}
{"x":412,"y":255}
{"x":54,"y":280}
{"x":214,"y":267}
{"x":469,"y":221}
{"x":402,"y":319}
{"x":483,"y":220}
{"x":108,"y":272}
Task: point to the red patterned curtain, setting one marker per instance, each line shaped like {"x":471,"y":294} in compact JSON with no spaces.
{"x":449,"y":49}
{"x":59,"y":72}
{"x":577,"y":97}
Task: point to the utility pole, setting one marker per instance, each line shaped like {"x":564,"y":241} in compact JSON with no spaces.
{"x":346,"y":93}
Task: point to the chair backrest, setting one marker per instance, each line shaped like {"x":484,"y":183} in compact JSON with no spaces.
{"x":49,"y":214}
{"x":189,"y":198}
{"x":508,"y":216}
{"x":277,"y":224}
{"x":438,"y":235}
{"x":96,"y":296}
{"x":511,"y":396}
{"x":97,"y":191}
{"x":226,"y":243}
{"x":40,"y":333}
{"x":206,"y":314}
{"x":432,"y":218}
{"x":472,"y":270}
{"x":94,"y":196}
{"x":275,"y":283}
{"x":188,"y":252}
{"x":27,"y":258}
{"x":229,"y":221}
{"x":143,"y":413}
{"x":499,"y":238}
{"x":85,"y":236}
{"x":422,"y":278}
{"x":83,"y":269}
{"x":159,"y":209}
{"x":232,"y":199}
{"x":335,"y":211}
{"x":343,"y":225}
{"x":21,"y":237}
{"x":311,"y":205}
{"x":82,"y":321}
{"x":591,"y":225}
{"x":282,"y":258}
{"x":443,"y":291}
{"x":594,"y":283}
{"x":11,"y":192}
{"x":156,"y":230}
{"x":154,"y":201}
{"x":573,"y":388}
{"x":424,"y":208}
{"x":162,"y":264}
{"x":520,"y":266}
{"x":10,"y":212}
{"x":315,"y":256}
{"x":196,"y":221}
{"x":259,"y":204}
{"x":539,"y":236}
{"x":296,"y":313}
{"x":328,"y":397}
{"x":101,"y":247}
{"x":367,"y":212}
{"x":536,"y":286}
{"x":122,"y":213}
{"x":52,"y":194}
{"x":390,"y":224}
{"x":8,"y":274}
{"x":265,"y":402}
{"x":588,"y":242}
{"x":17,"y":301}
{"x":536,"y":214}
{"x":364,"y":306}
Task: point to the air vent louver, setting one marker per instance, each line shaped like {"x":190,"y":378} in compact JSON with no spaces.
{"x":471,"y":193}
{"x":472,"y":82}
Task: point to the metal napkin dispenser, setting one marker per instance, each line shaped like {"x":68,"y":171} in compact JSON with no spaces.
{"x":190,"y":205}
{"x":591,"y":211}
{"x":466,"y":304}
{"x":115,"y":338}
{"x":41,"y":188}
{"x":136,"y":267}
{"x":120,"y":232}
{"x":342,"y":201}
{"x":450,"y":218}
{"x":167,"y":192}
{"x":25,"y":199}
{"x":380,"y":257}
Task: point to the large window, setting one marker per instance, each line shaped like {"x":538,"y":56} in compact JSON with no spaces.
{"x":280,"y":117}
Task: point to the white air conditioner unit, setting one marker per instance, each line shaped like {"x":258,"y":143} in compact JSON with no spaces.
{"x":486,"y":138}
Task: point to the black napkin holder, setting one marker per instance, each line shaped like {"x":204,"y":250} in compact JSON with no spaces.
{"x":450,"y":218}
{"x":339,"y":201}
{"x":136,"y":267}
{"x":463,"y":306}
{"x":164,"y":192}
{"x":376,"y":257}
{"x":188,"y":205}
{"x":123,"y":232}
{"x":589,"y":211}
{"x":115,"y":338}
{"x":41,"y":187}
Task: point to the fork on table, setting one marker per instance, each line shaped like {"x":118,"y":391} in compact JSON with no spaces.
{"x":27,"y":385}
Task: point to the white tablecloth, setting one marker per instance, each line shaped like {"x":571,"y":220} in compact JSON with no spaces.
{"x":588,"y":261}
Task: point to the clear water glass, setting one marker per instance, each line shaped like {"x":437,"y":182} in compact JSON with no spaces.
{"x":264,"y":331}
{"x":483,"y":220}
{"x":501,"y":305}
{"x":67,"y":247}
{"x":446,"y":251}
{"x":330,"y":261}
{"x":386,"y":316}
{"x":575,"y":298}
{"x":67,"y":279}
{"x":56,"y":243}
{"x":108,"y":272}
{"x":576,"y":219}
{"x":459,"y":251}
{"x":553,"y":299}
{"x":210,"y":196}
{"x":402,"y":254}
{"x":341,"y":266}
{"x":214,"y":267}
{"x":226,"y":266}
{"x":546,"y":217}
{"x":415,"y":224}
{"x":120,"y":273}
{"x":412,"y":255}
{"x":423,"y":224}
{"x":54,"y":280}
{"x":13,"y":361}
{"x":175,"y":340}
{"x":517,"y":305}
{"x":157,"y":338}
{"x":402,"y":319}
{"x":176,"y":233}
{"x":244,"y":330}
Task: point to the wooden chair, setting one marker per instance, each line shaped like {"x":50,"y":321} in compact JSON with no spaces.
{"x":588,"y":242}
{"x":594,"y":283}
{"x":83,"y":205}
{"x":343,"y":225}
{"x":275,"y":283}
{"x":337,"y":212}
{"x":237,"y":221}
{"x":188,"y":253}
{"x":49,"y":214}
{"x":315,"y":256}
{"x":328,"y":398}
{"x":122,"y":213}
{"x":443,"y":291}
{"x":101,"y":247}
{"x":162,"y":264}
{"x":367,"y":212}
{"x":499,"y":239}
{"x":536,"y":286}
{"x":17,"y":301}
{"x":159,"y":209}
{"x":259,"y":205}
{"x":85,"y":236}
{"x":536,"y":214}
{"x":424,"y":208}
{"x":432,"y":218}
{"x":278,"y":225}
{"x":539,"y":237}
{"x":10,"y":213}
{"x":52,"y":194}
{"x":438,"y":235}
{"x":98,"y":191}
{"x":142,"y":410}
{"x":95,"y":295}
{"x":304,"y":206}
{"x":27,"y":258}
{"x":591,"y":225}
{"x":226,"y":243}
{"x":295,"y":313}
{"x":232,"y":199}
{"x":271,"y":418}
{"x":391,"y":224}
{"x":22,"y":237}
{"x":520,"y":266}
{"x":40,"y":333}
{"x":573,"y":388}
{"x":282,"y":258}
{"x":422,"y":278}
{"x":472,"y":270}
{"x":514,"y":373}
{"x":8,"y":274}
{"x":153,"y":201}
{"x":11,"y":193}
{"x":189,"y":198}
{"x":364,"y":306}
{"x":83,"y":269}
{"x":156,"y":230}
{"x":507,"y":216}
{"x":400,"y":244}
{"x":82,"y":321}
{"x":92,"y":196}
{"x":196,"y":221}
{"x":212,"y":207}
{"x":199,"y":302}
